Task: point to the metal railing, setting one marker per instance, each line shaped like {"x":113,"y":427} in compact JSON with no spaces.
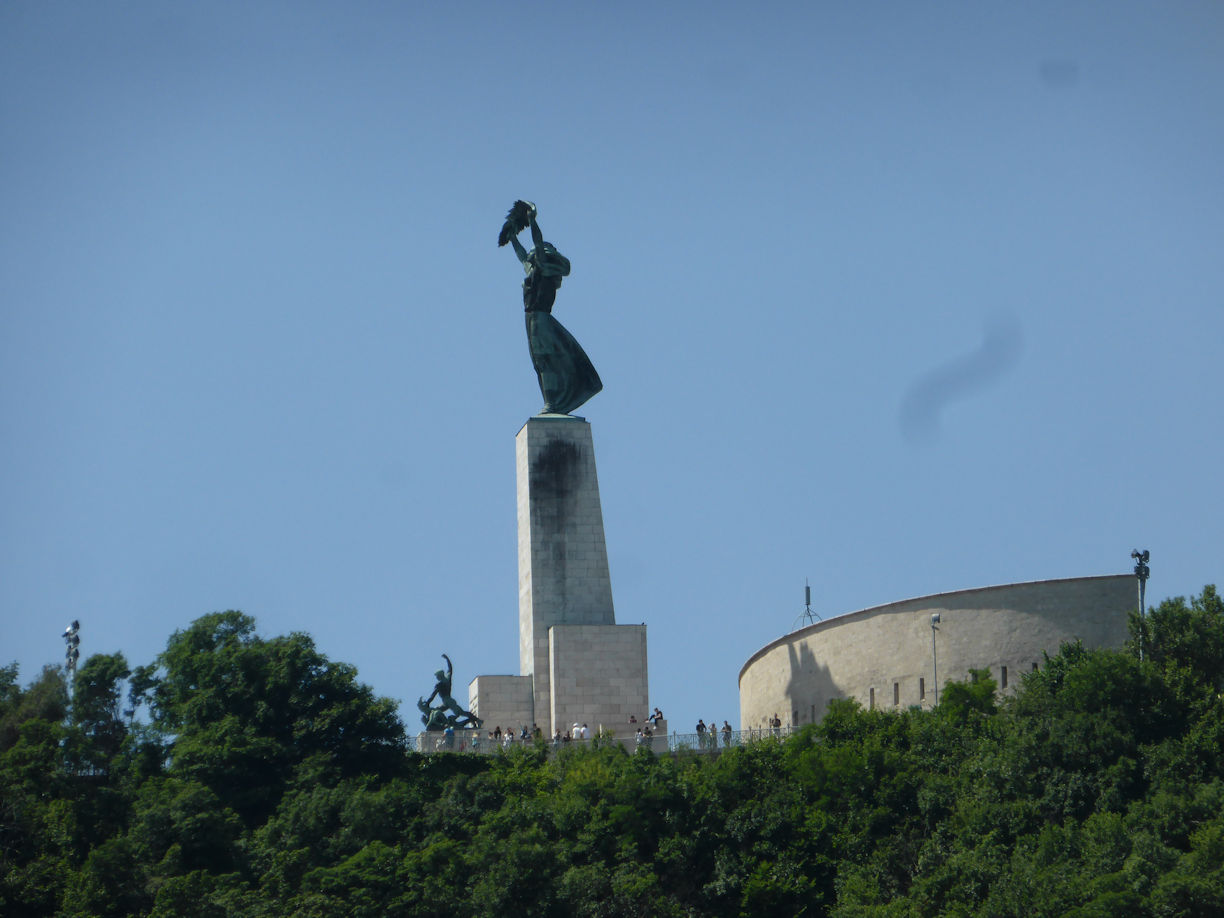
{"x":716,"y":740}
{"x":473,"y":742}
{"x":469,"y":741}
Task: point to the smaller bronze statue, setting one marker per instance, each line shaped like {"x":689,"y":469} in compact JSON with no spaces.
{"x":448,"y":713}
{"x":566,"y":375}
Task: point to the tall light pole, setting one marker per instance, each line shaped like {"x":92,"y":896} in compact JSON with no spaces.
{"x":934,"y":655}
{"x":1141,"y":574}
{"x":72,"y":651}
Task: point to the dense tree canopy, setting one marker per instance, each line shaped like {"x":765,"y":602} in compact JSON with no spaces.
{"x":252,"y":776}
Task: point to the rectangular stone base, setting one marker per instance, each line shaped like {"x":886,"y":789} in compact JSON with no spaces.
{"x":598,"y":676}
{"x":502,"y":701}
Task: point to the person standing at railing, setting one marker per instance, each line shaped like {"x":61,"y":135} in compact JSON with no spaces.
{"x":726,"y":733}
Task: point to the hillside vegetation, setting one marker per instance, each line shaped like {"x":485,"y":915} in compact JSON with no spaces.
{"x":238,"y":775}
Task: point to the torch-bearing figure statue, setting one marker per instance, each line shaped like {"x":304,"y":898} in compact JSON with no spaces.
{"x":449,"y":712}
{"x":567,"y":378}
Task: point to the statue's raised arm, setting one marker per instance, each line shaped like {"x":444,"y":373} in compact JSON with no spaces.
{"x":566,"y":376}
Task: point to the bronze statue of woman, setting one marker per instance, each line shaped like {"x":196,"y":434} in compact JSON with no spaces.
{"x":567,"y":378}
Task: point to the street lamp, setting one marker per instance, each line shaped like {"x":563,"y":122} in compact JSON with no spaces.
{"x":934,"y":656}
{"x":1141,"y":574}
{"x":72,"y":650}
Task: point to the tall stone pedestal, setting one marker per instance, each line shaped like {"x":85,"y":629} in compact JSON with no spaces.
{"x":579,"y":665}
{"x":563,"y":559}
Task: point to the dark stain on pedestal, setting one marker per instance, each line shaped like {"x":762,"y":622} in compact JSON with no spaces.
{"x":555,"y":476}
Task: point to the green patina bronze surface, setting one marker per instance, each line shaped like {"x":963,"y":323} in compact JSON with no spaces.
{"x":565,"y":373}
{"x":448,"y":713}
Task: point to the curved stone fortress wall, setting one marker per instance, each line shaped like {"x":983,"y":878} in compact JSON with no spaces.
{"x":883,"y":657}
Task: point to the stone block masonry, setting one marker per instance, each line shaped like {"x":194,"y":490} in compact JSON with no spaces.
{"x":576,"y":665}
{"x":598,"y":675}
{"x":885,"y":656}
{"x":502,"y":701}
{"x":563,"y":559}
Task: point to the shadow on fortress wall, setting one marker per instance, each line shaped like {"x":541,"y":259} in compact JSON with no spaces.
{"x":809,"y":684}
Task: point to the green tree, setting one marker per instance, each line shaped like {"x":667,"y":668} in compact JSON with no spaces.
{"x":96,"y":692}
{"x":38,"y":820}
{"x":1186,"y":642}
{"x":110,"y":882}
{"x":44,"y":699}
{"x":271,"y":782}
{"x":180,"y":826}
{"x":246,"y":713}
{"x":964,"y":699}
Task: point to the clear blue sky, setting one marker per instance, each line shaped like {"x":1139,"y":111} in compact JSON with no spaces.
{"x":899,"y":298}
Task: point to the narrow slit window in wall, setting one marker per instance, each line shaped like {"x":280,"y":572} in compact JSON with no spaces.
{"x":871,"y":699}
{"x":1034,"y":667}
{"x":1003,"y":680}
{"x":921,"y":689}
{"x":794,"y":718}
{"x":896,"y":693}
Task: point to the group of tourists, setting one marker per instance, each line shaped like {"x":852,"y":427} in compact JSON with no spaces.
{"x":577,"y":732}
{"x":507,"y":738}
{"x":652,"y":718}
{"x":645,"y":733}
{"x":707,"y":736}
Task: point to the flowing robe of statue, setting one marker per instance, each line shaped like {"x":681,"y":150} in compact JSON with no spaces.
{"x":565,"y":373}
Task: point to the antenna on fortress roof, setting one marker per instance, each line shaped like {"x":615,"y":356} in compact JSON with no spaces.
{"x":808,"y":617}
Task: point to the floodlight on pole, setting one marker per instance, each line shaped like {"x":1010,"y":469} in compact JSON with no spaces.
{"x":934,"y":655}
{"x":1141,"y":574}
{"x":72,"y":650}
